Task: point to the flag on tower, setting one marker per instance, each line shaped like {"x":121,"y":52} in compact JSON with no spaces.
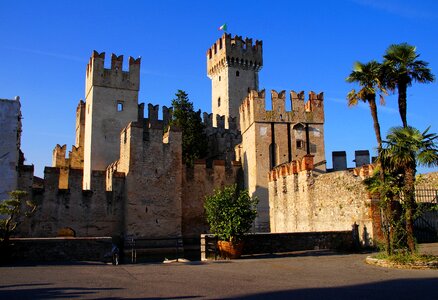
{"x":223,"y":27}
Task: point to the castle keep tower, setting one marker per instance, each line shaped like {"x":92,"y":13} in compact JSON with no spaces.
{"x":232,"y":65}
{"x":111,"y":100}
{"x":277,"y":136}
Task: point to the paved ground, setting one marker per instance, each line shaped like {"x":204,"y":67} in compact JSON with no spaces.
{"x":316,"y":275}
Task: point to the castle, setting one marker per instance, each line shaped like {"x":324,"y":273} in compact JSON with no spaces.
{"x":124,"y":177}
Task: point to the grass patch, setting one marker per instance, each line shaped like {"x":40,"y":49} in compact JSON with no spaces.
{"x":405,"y":258}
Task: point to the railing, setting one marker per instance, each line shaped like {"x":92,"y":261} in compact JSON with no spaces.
{"x":154,"y":245}
{"x":426,"y":224}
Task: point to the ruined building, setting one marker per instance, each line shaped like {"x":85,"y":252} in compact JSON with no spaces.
{"x":124,"y":177}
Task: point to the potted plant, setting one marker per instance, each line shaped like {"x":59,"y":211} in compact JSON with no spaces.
{"x":230,"y":213}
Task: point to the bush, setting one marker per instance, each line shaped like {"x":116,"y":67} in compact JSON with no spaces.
{"x":230,"y":212}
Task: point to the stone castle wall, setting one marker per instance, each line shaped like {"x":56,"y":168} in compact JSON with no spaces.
{"x":95,"y":212}
{"x":273,"y":137}
{"x":201,"y":181}
{"x":221,"y":141}
{"x":153,"y":168}
{"x":303,"y":202}
{"x":146,"y":193}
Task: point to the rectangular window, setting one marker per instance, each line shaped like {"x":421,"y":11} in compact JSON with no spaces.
{"x":119,"y":105}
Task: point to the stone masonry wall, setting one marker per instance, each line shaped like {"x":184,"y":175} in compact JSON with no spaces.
{"x":153,"y":168}
{"x":61,"y":249}
{"x":303,"y":202}
{"x":10,"y":124}
{"x":428,"y":180}
{"x":199,"y":182}
{"x":96,"y":212}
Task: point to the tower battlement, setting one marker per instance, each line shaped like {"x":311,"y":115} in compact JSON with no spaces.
{"x":208,"y":120}
{"x":253,"y":108}
{"x":234,"y":52}
{"x":98,"y":75}
{"x":58,"y":156}
{"x":153,"y":120}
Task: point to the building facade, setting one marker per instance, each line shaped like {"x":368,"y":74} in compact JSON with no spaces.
{"x":10,"y":141}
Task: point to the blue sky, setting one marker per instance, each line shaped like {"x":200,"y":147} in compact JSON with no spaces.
{"x":308,"y":45}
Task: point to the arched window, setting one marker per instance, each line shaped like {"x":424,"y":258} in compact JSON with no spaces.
{"x":237,"y":73}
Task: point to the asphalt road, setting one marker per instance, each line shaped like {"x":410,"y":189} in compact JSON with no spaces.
{"x":314,"y":275}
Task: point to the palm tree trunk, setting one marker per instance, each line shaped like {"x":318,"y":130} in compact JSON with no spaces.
{"x":373,"y":108}
{"x":409,"y":191}
{"x":402,"y":101}
{"x":383,"y":198}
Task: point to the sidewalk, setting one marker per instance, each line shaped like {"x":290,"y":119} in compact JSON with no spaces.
{"x":431,"y":248}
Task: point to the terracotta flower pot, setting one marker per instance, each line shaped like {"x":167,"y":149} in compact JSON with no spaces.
{"x":230,"y":250}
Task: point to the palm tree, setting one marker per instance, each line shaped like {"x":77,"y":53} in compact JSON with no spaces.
{"x":367,"y":75}
{"x":402,"y":67}
{"x":407,"y":147}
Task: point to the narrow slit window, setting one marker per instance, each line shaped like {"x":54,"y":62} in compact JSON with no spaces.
{"x":219,"y":101}
{"x":119,"y":106}
{"x":300,"y":144}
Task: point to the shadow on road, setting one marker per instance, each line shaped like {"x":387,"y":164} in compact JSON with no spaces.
{"x":425,"y":288}
{"x":304,"y":253}
{"x":43,"y":291}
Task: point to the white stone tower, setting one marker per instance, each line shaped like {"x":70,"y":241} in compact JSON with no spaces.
{"x":232,"y":65}
{"x":111,"y":99}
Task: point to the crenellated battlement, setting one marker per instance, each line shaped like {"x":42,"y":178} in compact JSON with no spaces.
{"x":153,"y":120}
{"x":221,"y":140}
{"x":75,"y":157}
{"x":220,"y":121}
{"x":253,"y":108}
{"x":293,"y":167}
{"x":214,"y":171}
{"x":101,"y":180}
{"x":98,"y":75}
{"x":235,"y":52}
{"x":58,"y":156}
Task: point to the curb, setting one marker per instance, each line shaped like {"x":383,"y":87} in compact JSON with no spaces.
{"x":433,"y":265}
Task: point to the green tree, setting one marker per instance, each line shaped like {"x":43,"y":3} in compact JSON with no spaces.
{"x":367,"y":75}
{"x":407,"y":147}
{"x":230,"y":212}
{"x":194,"y":140}
{"x":401,"y":68}
{"x":12,"y":212}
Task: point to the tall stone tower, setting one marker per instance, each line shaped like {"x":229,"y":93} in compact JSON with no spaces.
{"x":232,"y":65}
{"x":111,"y":100}
{"x":277,"y":136}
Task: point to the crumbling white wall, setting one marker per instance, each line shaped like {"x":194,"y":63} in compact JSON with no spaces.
{"x":10,"y":132}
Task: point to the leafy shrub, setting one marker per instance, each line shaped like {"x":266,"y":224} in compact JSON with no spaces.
{"x":230,"y":212}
